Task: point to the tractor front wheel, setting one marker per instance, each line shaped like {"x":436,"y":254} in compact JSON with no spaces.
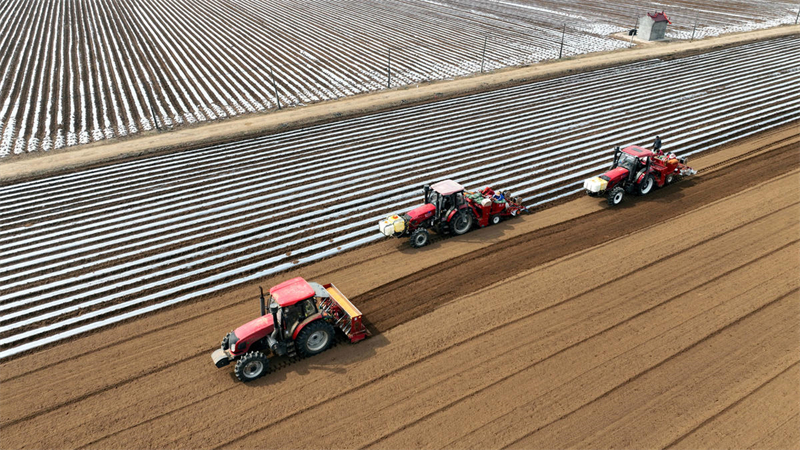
{"x":315,"y":338}
{"x":461,"y":222}
{"x":646,"y":185}
{"x":615,"y":196}
{"x":669,"y":179}
{"x":496,"y":219}
{"x":420,"y":238}
{"x":251,"y":366}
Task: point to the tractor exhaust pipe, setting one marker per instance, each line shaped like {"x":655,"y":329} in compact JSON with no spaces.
{"x":263,"y":306}
{"x":616,"y":158}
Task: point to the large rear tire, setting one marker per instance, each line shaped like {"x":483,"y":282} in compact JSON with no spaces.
{"x":461,"y":222}
{"x":646,"y":186}
{"x":251,"y":366}
{"x":615,"y":196}
{"x":420,"y":238}
{"x":315,"y":338}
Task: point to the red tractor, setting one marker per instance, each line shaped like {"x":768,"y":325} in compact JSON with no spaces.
{"x":636,"y":170}
{"x":301,"y":320}
{"x":450,"y":209}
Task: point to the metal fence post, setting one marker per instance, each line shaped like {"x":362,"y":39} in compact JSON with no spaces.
{"x":275,"y":87}
{"x":152,"y":110}
{"x":483,"y":55}
{"x":389,"y":71}
{"x":155,"y":118}
{"x":635,"y":27}
{"x":561,"y":50}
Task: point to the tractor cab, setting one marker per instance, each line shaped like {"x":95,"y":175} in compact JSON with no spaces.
{"x":445,"y":196}
{"x":632,"y":159}
{"x":291,"y":302}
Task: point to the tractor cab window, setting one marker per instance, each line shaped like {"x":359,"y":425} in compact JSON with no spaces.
{"x":309,"y":308}
{"x":628,"y":161}
{"x":292,"y":315}
{"x":433,"y":197}
{"x":447,"y":202}
{"x":459,"y":198}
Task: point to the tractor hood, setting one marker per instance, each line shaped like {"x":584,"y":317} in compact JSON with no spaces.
{"x":255,"y":329}
{"x":421,"y":213}
{"x":616,"y":174}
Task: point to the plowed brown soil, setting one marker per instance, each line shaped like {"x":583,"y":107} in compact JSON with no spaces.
{"x":673,"y":321}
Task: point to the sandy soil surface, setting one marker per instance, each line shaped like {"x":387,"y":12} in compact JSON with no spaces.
{"x":259,"y":124}
{"x":671,"y":321}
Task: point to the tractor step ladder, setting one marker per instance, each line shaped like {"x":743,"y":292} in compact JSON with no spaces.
{"x":291,"y":351}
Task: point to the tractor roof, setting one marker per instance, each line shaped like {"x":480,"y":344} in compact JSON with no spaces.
{"x":447,"y":187}
{"x":291,"y":291}
{"x":639,"y":152}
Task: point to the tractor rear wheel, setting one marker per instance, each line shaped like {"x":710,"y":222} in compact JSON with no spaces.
{"x":646,"y":185}
{"x":461,"y":222}
{"x":251,"y":366}
{"x":420,"y":238}
{"x":615,"y":196}
{"x":315,"y":338}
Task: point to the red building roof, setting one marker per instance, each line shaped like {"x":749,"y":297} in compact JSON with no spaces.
{"x":659,"y":17}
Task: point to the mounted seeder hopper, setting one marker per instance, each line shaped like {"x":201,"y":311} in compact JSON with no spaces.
{"x":449,"y":209}
{"x":636,"y":170}
{"x":301,"y":320}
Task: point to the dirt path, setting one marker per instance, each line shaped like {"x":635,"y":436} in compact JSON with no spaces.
{"x":577,"y":326}
{"x":259,"y":124}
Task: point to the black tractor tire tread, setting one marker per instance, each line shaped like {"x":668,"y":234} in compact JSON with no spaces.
{"x":417,"y":232}
{"x":465,"y":212}
{"x":300,"y":346}
{"x":612,"y":194}
{"x":239,"y":367}
{"x":644,"y":183}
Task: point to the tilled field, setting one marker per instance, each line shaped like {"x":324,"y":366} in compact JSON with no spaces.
{"x":670,"y":322}
{"x":78,"y":71}
{"x":96,"y":247}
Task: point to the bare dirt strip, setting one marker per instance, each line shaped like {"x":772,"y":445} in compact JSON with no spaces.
{"x":151,"y":143}
{"x":668,"y":322}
